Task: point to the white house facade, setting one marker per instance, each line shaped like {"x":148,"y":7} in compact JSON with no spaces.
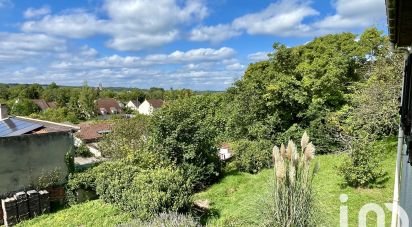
{"x":149,"y":106}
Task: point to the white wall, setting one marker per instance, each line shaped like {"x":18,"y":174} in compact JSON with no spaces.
{"x":224,"y":154}
{"x":145,"y":108}
{"x":132,"y":106}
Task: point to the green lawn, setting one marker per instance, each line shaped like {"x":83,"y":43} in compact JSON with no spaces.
{"x":238,"y":198}
{"x":93,"y":213}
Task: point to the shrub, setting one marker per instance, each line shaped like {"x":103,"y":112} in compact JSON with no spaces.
{"x":83,"y":151}
{"x":185,"y":132}
{"x":85,"y":180}
{"x":362,"y":168}
{"x":252,"y":156}
{"x":112,"y":178}
{"x":171,"y":219}
{"x":127,"y":137}
{"x":155,"y":191}
{"x":292,"y":202}
{"x":144,"y":193}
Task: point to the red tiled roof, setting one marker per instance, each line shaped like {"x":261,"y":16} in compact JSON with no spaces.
{"x":156,"y":103}
{"x":89,"y":132}
{"x":108,"y":104}
{"x":225,"y":146}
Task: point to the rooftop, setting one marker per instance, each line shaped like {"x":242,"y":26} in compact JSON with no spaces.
{"x":399,"y":14}
{"x":92,"y":132}
{"x":156,"y":103}
{"x":16,"y":126}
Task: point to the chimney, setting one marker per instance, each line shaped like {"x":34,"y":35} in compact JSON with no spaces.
{"x":3,"y":112}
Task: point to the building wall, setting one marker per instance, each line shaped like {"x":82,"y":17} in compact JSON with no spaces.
{"x":23,"y":159}
{"x":145,"y":108}
{"x":132,"y":106}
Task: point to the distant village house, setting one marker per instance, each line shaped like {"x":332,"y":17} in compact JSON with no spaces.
{"x":133,"y":105}
{"x":149,"y":106}
{"x":90,"y":134}
{"x":108,"y":106}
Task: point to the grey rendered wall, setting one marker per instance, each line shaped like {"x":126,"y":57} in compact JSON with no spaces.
{"x":23,"y":159}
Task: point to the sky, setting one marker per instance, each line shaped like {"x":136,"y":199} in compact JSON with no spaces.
{"x":196,"y":44}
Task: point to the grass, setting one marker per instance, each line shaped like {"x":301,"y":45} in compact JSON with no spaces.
{"x":238,"y":198}
{"x":92,"y":213}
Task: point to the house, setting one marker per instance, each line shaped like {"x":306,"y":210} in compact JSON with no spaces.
{"x":31,"y":149}
{"x":149,"y":106}
{"x":108,"y":106}
{"x":133,"y":105}
{"x":90,"y":134}
{"x":225,"y":152}
{"x":43,"y":105}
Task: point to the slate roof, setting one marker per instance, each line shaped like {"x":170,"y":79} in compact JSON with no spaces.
{"x":135,"y":103}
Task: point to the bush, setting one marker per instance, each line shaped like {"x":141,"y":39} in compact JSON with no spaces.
{"x":362,"y":168}
{"x":166,"y":219}
{"x":112,"y":178}
{"x":252,"y":156}
{"x":144,"y":193}
{"x":127,"y":137}
{"x":185,"y":132}
{"x":292,"y":202}
{"x":23,"y":107}
{"x":85,"y":180}
{"x":61,"y":114}
{"x":83,"y":151}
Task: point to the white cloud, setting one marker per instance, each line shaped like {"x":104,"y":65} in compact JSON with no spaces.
{"x":17,"y":46}
{"x":201,"y":54}
{"x":213,"y":34}
{"x":283,"y":18}
{"x":87,"y":51}
{"x":352,"y":14}
{"x":235,"y":66}
{"x":258,"y":56}
{"x":72,"y":25}
{"x":286,"y":18}
{"x":132,"y":25}
{"x":33,"y":12}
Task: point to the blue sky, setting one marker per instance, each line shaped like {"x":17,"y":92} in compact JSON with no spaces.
{"x":197,"y":44}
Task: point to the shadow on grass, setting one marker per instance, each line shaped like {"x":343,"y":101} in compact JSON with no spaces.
{"x":204,"y":215}
{"x":380,"y":182}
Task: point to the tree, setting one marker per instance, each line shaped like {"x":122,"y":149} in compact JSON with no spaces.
{"x":184,"y":131}
{"x":87,"y":98}
{"x":127,"y":138}
{"x":23,"y":107}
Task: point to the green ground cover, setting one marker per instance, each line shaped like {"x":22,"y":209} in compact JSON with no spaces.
{"x":238,"y":199}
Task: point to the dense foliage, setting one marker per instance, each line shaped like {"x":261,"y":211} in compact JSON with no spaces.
{"x":363,"y":167}
{"x":127,"y":137}
{"x":252,"y":156}
{"x":185,"y":132}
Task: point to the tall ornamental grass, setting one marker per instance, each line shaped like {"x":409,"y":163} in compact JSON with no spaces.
{"x":292,"y":200}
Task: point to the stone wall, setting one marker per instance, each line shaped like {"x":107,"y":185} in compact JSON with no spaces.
{"x":23,"y":159}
